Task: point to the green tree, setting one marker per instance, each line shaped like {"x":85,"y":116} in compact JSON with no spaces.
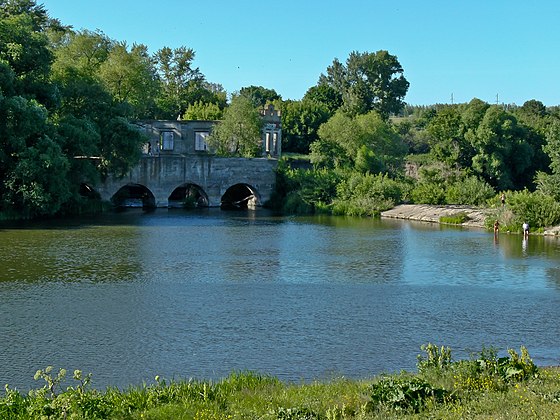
{"x":203,"y":111}
{"x":300,"y":123}
{"x":326,"y":96}
{"x":368,"y":81}
{"x":447,"y":139}
{"x":129,"y":76}
{"x":549,"y":183}
{"x":25,"y":56}
{"x":364,"y":142}
{"x":502,"y":155}
{"x":259,"y":95}
{"x":83,"y":51}
{"x":239,"y":133}
{"x":180,"y":82}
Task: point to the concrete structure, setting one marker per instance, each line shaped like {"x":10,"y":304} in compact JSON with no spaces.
{"x":177,"y":169}
{"x":169,"y":181}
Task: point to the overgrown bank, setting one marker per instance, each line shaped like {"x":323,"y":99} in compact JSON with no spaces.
{"x":353,"y":193}
{"x":484,"y":386}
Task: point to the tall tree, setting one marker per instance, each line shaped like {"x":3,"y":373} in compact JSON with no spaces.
{"x":365,"y":142}
{"x":130,"y":78}
{"x":549,"y":183}
{"x":325,"y":95}
{"x":300,"y":123}
{"x":368,"y":82}
{"x":83,"y":51}
{"x":239,"y":133}
{"x":447,"y":138}
{"x":180,"y":81}
{"x":502,"y":154}
{"x":259,"y":95}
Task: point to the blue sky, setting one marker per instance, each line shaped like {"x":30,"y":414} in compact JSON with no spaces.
{"x":464,"y":48}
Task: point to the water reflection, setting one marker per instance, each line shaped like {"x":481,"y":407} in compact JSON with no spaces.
{"x":202,"y":293}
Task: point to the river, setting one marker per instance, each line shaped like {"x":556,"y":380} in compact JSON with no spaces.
{"x":132,"y":295}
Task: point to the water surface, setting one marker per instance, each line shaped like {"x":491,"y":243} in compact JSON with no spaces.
{"x":179,"y":294}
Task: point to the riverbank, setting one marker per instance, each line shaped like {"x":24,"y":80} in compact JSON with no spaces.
{"x":483,"y":387}
{"x":475,"y":216}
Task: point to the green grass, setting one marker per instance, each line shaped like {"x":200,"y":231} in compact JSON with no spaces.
{"x":483,"y":387}
{"x":455,"y":219}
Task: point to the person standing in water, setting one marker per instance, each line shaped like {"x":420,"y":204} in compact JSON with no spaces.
{"x":525,"y":229}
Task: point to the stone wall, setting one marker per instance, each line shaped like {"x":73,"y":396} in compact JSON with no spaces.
{"x":214,"y":175}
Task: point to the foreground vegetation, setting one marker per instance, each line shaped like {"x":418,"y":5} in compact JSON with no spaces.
{"x":485,"y":386}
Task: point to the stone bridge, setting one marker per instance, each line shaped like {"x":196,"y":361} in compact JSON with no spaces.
{"x":201,"y":180}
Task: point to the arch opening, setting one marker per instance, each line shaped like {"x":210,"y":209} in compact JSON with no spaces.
{"x":188,"y":196}
{"x":88,"y":192}
{"x":240,"y":196}
{"x":134,"y":196}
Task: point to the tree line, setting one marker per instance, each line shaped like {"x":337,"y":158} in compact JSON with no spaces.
{"x":69,"y":99}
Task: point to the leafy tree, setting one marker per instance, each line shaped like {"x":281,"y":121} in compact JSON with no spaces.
{"x":549,"y":183}
{"x":239,"y":133}
{"x":473,"y":114}
{"x":368,"y":81}
{"x":501,"y":153}
{"x":447,"y":140}
{"x":129,"y":76}
{"x":36,"y":12}
{"x":203,"y":111}
{"x":365,"y":142}
{"x":180,"y":81}
{"x":83,"y":51}
{"x":300,"y":123}
{"x":259,"y":95}
{"x":25,"y":57}
{"x":325,"y":95}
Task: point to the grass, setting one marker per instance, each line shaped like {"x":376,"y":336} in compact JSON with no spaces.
{"x":456,"y":219}
{"x":483,"y":387}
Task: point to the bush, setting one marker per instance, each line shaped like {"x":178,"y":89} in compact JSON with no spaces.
{"x":405,"y":394}
{"x":469,"y":191}
{"x":366,"y":194}
{"x":537,"y":209}
{"x":456,"y":219}
{"x":428,"y":193}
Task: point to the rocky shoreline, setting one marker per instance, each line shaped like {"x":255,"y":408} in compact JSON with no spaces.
{"x":431,"y":214}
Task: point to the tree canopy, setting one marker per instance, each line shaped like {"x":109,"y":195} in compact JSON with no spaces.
{"x":368,"y":82}
{"x":239,"y":132}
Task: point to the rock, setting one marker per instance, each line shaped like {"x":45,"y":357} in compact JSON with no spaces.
{"x":430,"y":213}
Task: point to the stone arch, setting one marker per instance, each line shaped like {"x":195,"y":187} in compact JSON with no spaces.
{"x":188,"y":195}
{"x":134,"y":195}
{"x":87,"y":191}
{"x":240,"y":196}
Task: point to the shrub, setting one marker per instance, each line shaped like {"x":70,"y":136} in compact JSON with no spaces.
{"x":537,"y":209}
{"x":366,"y":194}
{"x":428,"y":193}
{"x":436,"y":357}
{"x":469,"y":191}
{"x":456,"y":219}
{"x":405,"y":394}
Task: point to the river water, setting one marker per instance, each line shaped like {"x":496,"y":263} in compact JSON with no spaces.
{"x":178,"y":294}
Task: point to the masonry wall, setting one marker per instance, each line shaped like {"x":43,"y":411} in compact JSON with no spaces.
{"x":162,"y":174}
